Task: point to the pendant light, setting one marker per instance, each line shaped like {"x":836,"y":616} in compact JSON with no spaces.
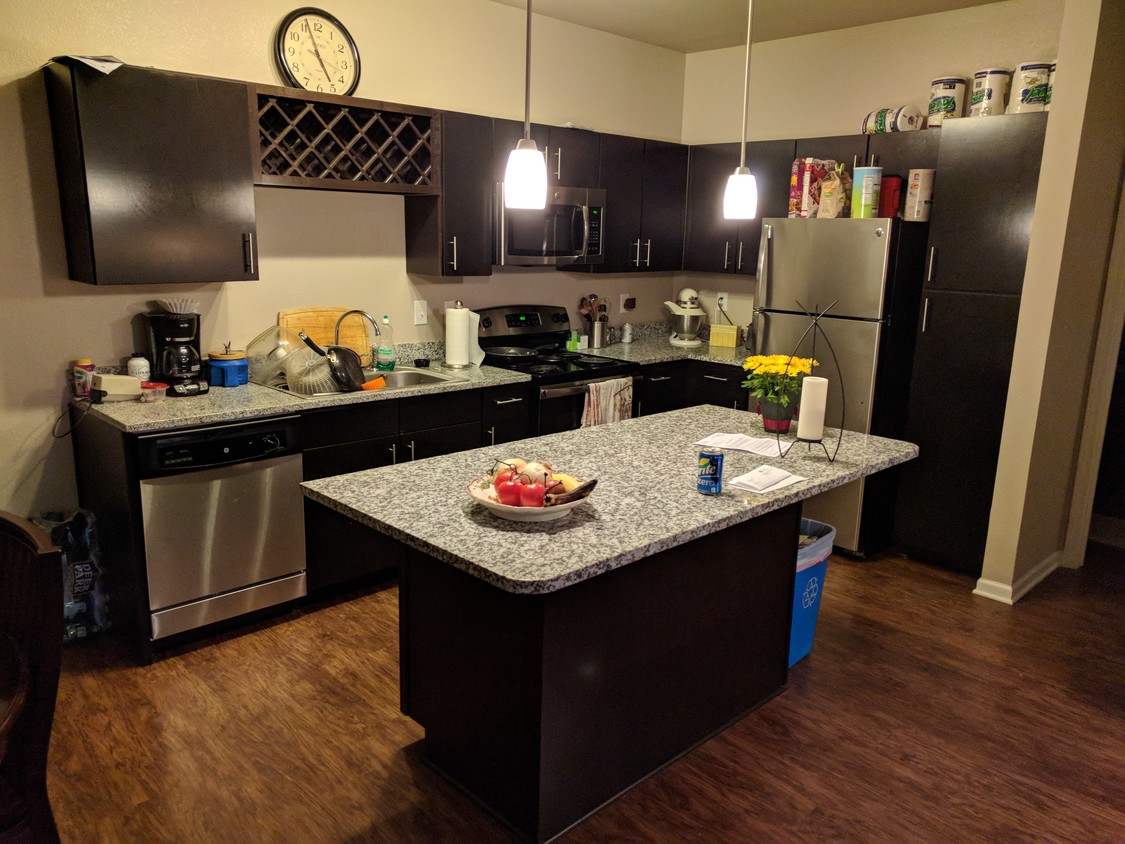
{"x":740,"y":202}
{"x":525,"y":178}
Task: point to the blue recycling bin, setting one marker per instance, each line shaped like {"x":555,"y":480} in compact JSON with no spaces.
{"x":812,"y":563}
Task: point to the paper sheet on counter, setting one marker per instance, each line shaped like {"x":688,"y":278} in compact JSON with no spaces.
{"x":765,"y":446}
{"x":765,"y":479}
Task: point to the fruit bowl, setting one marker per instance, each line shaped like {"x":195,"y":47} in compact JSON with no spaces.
{"x":481,"y":491}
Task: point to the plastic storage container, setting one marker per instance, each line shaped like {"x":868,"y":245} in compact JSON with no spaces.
{"x":812,"y":563}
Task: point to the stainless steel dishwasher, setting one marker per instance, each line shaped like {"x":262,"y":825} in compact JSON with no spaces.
{"x":223,"y":521}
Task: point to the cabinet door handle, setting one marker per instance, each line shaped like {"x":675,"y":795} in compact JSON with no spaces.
{"x":726,"y":254}
{"x":558,"y":166}
{"x":655,"y":378}
{"x":739,"y":265}
{"x":492,"y":436}
{"x":410,"y":445}
{"x":506,"y":401}
{"x":394,"y":453}
{"x":248,"y":252}
{"x":930,"y":265}
{"x":453,"y":243}
{"x":716,"y":378}
{"x":925,"y":312}
{"x":639,"y":406}
{"x":637,"y":254}
{"x":648,"y":252}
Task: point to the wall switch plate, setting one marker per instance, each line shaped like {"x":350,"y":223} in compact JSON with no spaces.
{"x":421,"y":312}
{"x":721,"y":301}
{"x":628,"y":302}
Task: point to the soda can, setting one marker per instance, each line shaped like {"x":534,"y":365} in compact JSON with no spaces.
{"x":710,"y":472}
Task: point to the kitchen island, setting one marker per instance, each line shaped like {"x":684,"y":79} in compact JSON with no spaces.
{"x":555,"y":664}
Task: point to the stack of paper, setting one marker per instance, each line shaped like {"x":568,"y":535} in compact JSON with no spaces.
{"x":766,"y":446}
{"x":765,"y":479}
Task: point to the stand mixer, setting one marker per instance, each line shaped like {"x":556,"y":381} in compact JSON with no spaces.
{"x":687,"y":318}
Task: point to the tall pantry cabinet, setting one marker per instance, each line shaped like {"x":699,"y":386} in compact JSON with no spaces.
{"x":980,"y":225}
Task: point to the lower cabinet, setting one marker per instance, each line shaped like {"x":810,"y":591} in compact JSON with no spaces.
{"x":660,"y":387}
{"x":716,"y":383}
{"x":505,"y":414}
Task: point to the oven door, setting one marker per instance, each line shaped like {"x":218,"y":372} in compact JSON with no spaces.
{"x":561,"y":406}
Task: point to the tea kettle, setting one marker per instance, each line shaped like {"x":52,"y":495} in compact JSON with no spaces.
{"x":687,"y":318}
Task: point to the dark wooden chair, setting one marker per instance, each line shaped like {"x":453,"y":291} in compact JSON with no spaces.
{"x":31,"y":629}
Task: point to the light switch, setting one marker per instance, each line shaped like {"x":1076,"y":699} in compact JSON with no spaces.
{"x":421,"y":312}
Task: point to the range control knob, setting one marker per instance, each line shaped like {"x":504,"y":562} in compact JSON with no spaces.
{"x":486,"y":322}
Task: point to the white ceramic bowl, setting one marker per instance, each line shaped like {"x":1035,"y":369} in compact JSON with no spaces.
{"x":486,"y":496}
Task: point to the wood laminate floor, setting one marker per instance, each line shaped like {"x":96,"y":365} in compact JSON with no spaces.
{"x":923,"y":714}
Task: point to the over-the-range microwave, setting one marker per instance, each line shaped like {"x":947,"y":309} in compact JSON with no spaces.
{"x":567,"y":231}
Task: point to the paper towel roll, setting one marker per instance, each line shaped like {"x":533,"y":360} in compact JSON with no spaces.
{"x":476,"y":353}
{"x":457,"y":337}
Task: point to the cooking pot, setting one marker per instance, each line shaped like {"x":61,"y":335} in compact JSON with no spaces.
{"x":347,"y":370}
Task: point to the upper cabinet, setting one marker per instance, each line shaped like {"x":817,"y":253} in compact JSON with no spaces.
{"x":451,"y":234}
{"x":849,"y":150}
{"x":156,"y":178}
{"x":646,"y":188}
{"x":984,"y":196}
{"x":573,"y":157}
{"x":713,"y":243}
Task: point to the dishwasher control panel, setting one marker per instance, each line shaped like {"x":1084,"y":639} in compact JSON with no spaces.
{"x":220,"y":445}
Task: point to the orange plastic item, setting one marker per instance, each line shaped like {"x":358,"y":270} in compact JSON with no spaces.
{"x":377,"y":383}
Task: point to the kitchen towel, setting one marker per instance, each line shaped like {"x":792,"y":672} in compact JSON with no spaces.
{"x":608,"y":401}
{"x":461,"y":345}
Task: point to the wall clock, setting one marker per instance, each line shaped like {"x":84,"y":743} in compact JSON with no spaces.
{"x":316,"y":52}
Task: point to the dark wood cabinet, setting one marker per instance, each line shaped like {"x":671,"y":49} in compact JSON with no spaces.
{"x":156,"y":177}
{"x":984,"y":195}
{"x":848,"y":150}
{"x":716,"y":383}
{"x":660,"y":387}
{"x":646,"y":193}
{"x":956,"y":415}
{"x":451,"y":234}
{"x":573,"y":157}
{"x":505,"y":414}
{"x":900,"y":152}
{"x":712,"y":243}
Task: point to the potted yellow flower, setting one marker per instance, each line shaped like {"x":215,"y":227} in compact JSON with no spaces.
{"x":775,"y":381}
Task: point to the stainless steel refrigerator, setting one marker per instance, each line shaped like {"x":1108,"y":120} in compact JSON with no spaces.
{"x":868,"y":274}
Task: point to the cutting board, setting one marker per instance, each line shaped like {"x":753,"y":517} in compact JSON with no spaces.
{"x":320,"y":325}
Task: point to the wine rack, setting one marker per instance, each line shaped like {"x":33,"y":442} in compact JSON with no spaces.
{"x":344,"y":143}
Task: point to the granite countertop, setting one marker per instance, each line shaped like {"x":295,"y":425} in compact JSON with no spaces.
{"x":253,"y":401}
{"x":657,"y":350}
{"x":645,"y":501}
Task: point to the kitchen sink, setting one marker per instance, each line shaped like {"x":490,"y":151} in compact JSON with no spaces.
{"x":408,"y":376}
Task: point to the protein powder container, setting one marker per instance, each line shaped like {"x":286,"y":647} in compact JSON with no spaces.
{"x":1029,"y":87}
{"x":990,"y":91}
{"x":138,"y":366}
{"x":947,"y":99}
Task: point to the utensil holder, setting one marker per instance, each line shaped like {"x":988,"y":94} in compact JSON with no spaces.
{"x":597,"y":335}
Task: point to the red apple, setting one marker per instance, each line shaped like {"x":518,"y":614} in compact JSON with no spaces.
{"x":531,"y":494}
{"x":510,"y":492}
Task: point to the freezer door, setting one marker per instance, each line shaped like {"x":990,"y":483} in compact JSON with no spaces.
{"x":855,"y":343}
{"x":818,"y":262}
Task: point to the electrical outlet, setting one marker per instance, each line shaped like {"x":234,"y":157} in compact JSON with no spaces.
{"x":421,"y":312}
{"x":627,"y":302}
{"x":721,"y":301}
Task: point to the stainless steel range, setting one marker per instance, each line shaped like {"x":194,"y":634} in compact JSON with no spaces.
{"x":532,"y":339}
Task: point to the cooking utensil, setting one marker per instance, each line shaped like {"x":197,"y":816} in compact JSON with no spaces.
{"x":346,"y":368}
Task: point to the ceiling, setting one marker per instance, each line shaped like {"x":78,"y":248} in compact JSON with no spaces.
{"x":689,"y":26}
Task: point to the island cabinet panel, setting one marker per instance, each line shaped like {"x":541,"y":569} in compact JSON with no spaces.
{"x":956,"y":415}
{"x":716,"y":383}
{"x":715,"y":244}
{"x":156,"y":177}
{"x":506,"y":414}
{"x":646,"y":191}
{"x":660,"y":387}
{"x":339,"y":551}
{"x":546,"y":706}
{"x":451,"y":234}
{"x":984,"y":197}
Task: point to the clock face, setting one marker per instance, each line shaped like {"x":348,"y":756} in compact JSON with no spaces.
{"x":316,"y":52}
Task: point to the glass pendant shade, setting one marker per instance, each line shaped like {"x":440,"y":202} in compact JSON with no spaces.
{"x":740,"y":202}
{"x":525,"y":178}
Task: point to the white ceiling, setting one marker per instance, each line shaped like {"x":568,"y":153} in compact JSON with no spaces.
{"x":690,"y":26}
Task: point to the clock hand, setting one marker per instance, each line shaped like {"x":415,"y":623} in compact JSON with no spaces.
{"x":317,"y":50}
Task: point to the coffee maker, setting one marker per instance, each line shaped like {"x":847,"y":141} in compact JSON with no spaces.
{"x":173,"y":345}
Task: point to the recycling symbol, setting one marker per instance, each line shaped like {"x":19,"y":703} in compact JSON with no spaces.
{"x":808,"y":597}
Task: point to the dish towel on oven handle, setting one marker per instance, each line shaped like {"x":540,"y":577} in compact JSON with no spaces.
{"x":608,"y":401}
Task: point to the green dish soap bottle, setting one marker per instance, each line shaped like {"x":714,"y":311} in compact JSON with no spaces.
{"x":385,"y":355}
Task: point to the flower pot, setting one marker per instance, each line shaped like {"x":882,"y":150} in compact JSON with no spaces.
{"x":776,"y":417}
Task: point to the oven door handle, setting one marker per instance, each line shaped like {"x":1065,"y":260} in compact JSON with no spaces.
{"x":576,"y":388}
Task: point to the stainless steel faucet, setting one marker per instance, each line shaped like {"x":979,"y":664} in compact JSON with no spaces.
{"x":374,"y":349}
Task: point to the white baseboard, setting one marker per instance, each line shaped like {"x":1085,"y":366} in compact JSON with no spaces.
{"x":1010,"y":593}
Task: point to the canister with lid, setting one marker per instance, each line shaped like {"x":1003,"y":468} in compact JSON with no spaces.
{"x":990,"y":91}
{"x":1029,"y":87}
{"x":947,"y":98}
{"x":81,"y":374}
{"x":138,"y":366}
{"x":1050,"y":88}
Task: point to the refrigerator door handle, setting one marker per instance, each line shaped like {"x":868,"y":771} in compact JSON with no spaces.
{"x":925,"y":312}
{"x":763,"y":265}
{"x":757,"y":339}
{"x":930,"y":265}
